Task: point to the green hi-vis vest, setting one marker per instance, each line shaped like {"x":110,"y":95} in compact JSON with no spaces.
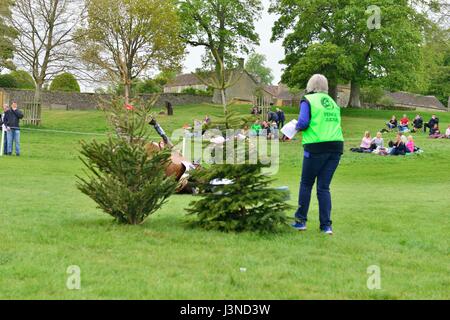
{"x":325,"y":125}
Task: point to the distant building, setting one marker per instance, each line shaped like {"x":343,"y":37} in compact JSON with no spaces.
{"x":244,"y":88}
{"x":416,"y":101}
{"x":184,"y":81}
{"x":283,"y":96}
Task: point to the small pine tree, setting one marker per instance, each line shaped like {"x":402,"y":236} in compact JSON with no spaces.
{"x":247,"y":204}
{"x":123,"y":179}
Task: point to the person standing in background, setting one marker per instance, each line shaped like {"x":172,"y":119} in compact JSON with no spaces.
{"x":4,"y":132}
{"x":12,"y":119}
{"x":281,"y":118}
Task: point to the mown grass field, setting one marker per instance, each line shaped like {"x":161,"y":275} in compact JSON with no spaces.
{"x":388,"y":211}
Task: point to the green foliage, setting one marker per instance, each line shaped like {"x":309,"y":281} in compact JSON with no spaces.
{"x":231,"y":120}
{"x":146,"y":86}
{"x":196,"y":92}
{"x":327,"y":59}
{"x":227,"y":25}
{"x":372,"y":95}
{"x":256,"y":65}
{"x":386,"y":101}
{"x":388,"y":54}
{"x":7,"y":81}
{"x":248,"y":204}
{"x":7,"y":36}
{"x":23,"y":79}
{"x":435,"y":64}
{"x":65,"y":82}
{"x":123,"y":179}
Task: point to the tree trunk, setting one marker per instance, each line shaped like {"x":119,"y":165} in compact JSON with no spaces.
{"x":333,"y":91}
{"x":355,"y":100}
{"x":224,"y":100}
{"x":127,"y":88}
{"x":37,"y":93}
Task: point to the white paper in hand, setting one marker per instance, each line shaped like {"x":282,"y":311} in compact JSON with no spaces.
{"x":289,"y":129}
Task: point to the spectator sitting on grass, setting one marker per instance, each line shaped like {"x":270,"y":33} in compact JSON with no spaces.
{"x":266,"y":128}
{"x":417,"y":123}
{"x":447,"y":132}
{"x":392,"y":124}
{"x":430,"y":125}
{"x":274,"y":130}
{"x":397,"y":147}
{"x":366,"y":144}
{"x":378,"y":141}
{"x":435,"y":133}
{"x":256,"y":128}
{"x":410,"y":144}
{"x":404,"y":124}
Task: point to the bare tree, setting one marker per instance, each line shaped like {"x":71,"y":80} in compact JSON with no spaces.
{"x":45,"y":28}
{"x":124,"y":39}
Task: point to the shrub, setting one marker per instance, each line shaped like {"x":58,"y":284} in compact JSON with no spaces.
{"x":123,"y":179}
{"x":65,"y":82}
{"x":7,"y":81}
{"x":386,"y":101}
{"x":146,"y":86}
{"x":372,"y":95}
{"x":23,"y":79}
{"x":248,"y":204}
{"x":196,"y":92}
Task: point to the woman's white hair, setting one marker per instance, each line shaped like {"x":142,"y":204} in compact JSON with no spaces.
{"x":317,"y":83}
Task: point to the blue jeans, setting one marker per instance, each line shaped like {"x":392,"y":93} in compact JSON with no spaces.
{"x":13,"y":135}
{"x":5,"y":143}
{"x":320,"y":167}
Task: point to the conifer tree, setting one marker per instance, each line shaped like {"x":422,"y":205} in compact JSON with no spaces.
{"x":122,"y":178}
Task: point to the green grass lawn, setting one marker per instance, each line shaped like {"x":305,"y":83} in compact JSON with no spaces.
{"x":388,"y":211}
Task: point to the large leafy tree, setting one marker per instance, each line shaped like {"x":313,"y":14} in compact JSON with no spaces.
{"x":434,"y":76}
{"x":123,"y":39}
{"x":7,"y":36}
{"x":225,"y":28}
{"x":389,"y":52}
{"x":324,"y":58}
{"x":44,"y":45}
{"x":256,"y":64}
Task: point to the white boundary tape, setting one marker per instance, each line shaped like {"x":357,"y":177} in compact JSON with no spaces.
{"x":65,"y":132}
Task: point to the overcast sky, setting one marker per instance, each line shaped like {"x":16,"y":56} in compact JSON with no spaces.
{"x":273,"y":51}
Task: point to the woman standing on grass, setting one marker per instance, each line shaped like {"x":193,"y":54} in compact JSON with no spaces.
{"x":323,"y":142}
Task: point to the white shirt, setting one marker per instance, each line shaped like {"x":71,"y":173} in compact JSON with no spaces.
{"x":447,"y":132}
{"x":3,"y":126}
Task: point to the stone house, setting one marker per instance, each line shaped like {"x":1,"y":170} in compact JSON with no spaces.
{"x":184,"y":81}
{"x":244,"y":88}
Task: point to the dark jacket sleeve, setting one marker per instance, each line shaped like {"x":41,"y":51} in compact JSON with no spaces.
{"x":5,"y":119}
{"x":18,"y":113}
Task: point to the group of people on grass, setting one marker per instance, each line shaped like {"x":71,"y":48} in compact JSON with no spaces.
{"x":269,"y":128}
{"x":417,"y":125}
{"x":10,"y":123}
{"x":402,"y":145}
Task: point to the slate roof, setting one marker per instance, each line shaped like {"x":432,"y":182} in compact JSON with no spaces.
{"x":416,"y":100}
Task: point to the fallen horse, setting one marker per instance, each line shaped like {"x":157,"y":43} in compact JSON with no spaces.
{"x":178,"y":166}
